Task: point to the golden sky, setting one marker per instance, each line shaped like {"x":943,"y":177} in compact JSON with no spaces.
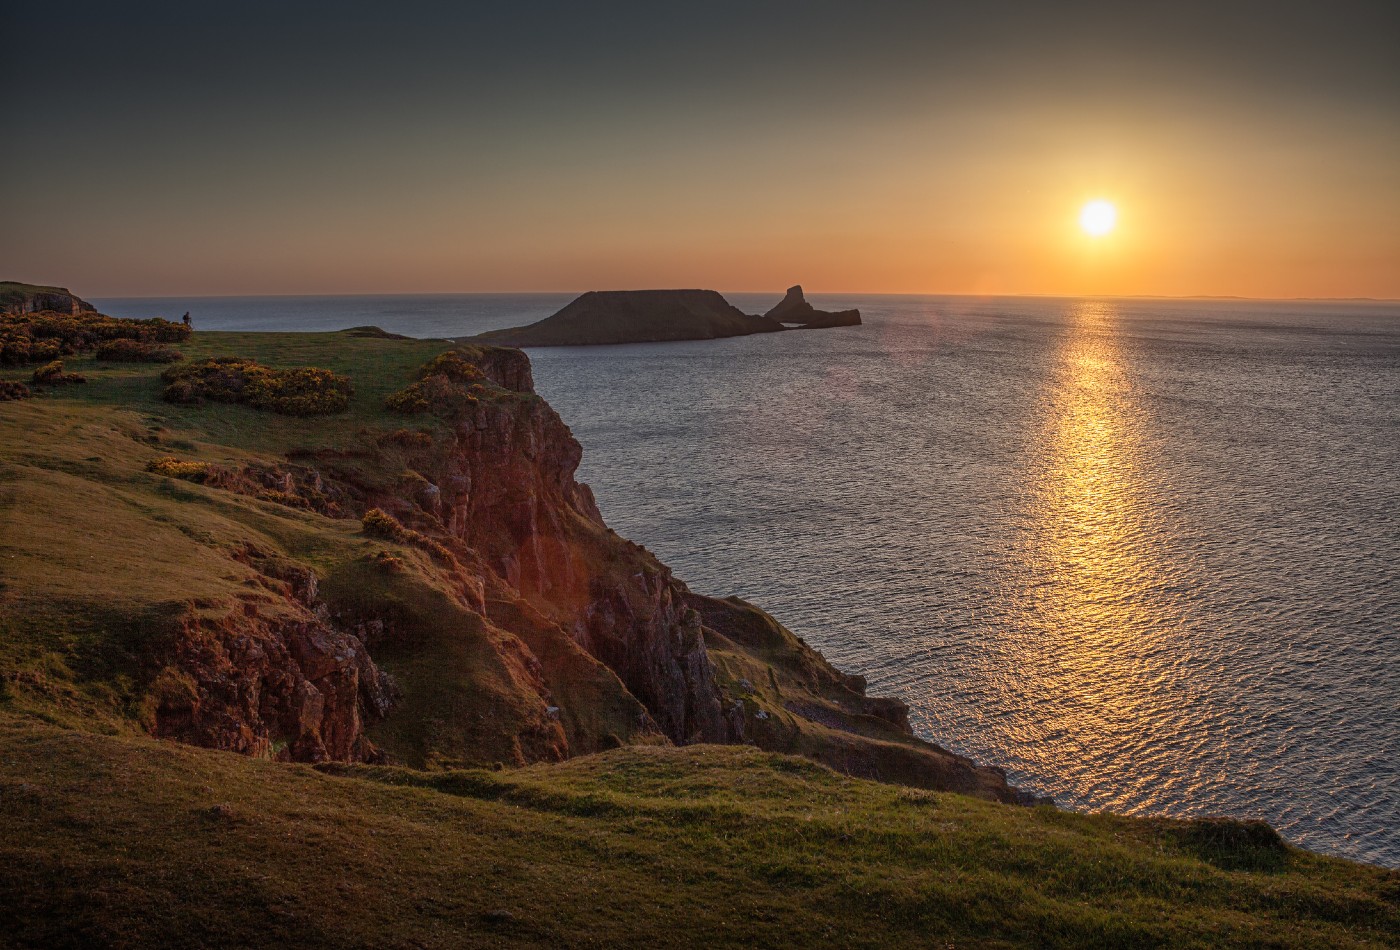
{"x":892,"y":148}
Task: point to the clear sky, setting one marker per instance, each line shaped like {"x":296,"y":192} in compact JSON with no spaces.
{"x":911,"y":147}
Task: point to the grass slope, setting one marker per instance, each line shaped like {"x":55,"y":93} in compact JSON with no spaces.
{"x":130,"y":842}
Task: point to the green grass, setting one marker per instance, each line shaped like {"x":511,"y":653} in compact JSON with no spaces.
{"x":131,"y":842}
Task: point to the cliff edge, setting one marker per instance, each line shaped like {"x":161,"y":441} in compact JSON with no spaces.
{"x":16,"y":297}
{"x":418,"y":579}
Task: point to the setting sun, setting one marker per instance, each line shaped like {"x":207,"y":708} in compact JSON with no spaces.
{"x":1097,"y":218}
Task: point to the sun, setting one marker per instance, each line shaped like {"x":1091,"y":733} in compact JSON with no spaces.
{"x":1098,"y":217}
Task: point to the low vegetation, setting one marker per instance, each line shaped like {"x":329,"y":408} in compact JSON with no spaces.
{"x":445,"y":386}
{"x":137,"y":351}
{"x":47,"y":335}
{"x":378,"y":524}
{"x":180,"y":468}
{"x":52,"y":374}
{"x":300,"y":391}
{"x":10,"y":390}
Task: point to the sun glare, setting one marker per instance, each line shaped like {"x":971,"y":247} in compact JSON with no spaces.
{"x":1097,"y":218}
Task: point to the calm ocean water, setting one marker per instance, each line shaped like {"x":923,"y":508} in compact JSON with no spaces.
{"x":1144,"y":554}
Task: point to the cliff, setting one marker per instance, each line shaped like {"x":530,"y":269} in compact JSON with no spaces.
{"x":635,"y":316}
{"x":794,"y":309}
{"x":16,"y":297}
{"x":432,"y":588}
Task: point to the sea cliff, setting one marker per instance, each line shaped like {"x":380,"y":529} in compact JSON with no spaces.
{"x":467,"y":604}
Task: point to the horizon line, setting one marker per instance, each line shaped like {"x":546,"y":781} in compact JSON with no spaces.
{"x":828,"y":293}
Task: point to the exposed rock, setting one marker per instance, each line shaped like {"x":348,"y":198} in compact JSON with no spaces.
{"x":794,"y":309}
{"x":544,"y":634}
{"x":16,"y":297}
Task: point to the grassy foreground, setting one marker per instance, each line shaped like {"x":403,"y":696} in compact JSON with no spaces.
{"x":125,"y":841}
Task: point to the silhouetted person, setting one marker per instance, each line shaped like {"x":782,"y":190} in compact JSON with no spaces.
{"x":186,"y":320}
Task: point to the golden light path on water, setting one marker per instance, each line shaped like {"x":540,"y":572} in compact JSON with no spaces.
{"x":1095,"y":645}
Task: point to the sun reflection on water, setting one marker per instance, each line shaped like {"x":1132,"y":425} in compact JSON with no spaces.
{"x":1092,"y":638}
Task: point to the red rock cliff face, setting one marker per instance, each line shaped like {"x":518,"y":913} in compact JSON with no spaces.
{"x":271,"y":678}
{"x":552,"y":635}
{"x":503,"y":485}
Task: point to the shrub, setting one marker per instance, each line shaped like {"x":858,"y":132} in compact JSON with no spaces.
{"x":380,"y":524}
{"x":52,"y":374}
{"x":301,"y":391}
{"x":9,"y":391}
{"x":178,"y":468}
{"x":137,"y":351}
{"x":47,"y":335}
{"x":445,"y":385}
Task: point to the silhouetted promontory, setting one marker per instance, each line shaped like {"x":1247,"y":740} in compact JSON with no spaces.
{"x":651,"y":316}
{"x":795,"y":309}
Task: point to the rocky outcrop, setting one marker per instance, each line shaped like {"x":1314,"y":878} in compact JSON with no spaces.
{"x":270,"y":676}
{"x":516,"y":626}
{"x":16,"y":297}
{"x":635,"y":316}
{"x":794,"y":310}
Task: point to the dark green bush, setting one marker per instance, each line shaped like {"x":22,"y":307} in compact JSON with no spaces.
{"x":9,"y":391}
{"x":137,"y":351}
{"x":300,"y":391}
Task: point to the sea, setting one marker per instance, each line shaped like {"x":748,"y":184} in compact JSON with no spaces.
{"x":1144,"y":554}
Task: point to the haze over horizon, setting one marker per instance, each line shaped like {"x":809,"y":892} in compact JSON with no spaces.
{"x":1250,"y":149}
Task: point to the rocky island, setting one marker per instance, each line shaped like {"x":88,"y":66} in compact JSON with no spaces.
{"x":652,"y":316}
{"x":794,"y":310}
{"x":318,"y":634}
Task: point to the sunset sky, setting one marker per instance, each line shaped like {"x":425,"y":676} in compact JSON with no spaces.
{"x":240,"y":148}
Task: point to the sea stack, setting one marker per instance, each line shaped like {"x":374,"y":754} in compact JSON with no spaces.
{"x":794,"y":309}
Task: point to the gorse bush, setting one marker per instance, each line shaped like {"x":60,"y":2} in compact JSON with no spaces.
{"x":179,"y":468}
{"x":380,"y":524}
{"x":52,"y":374}
{"x":445,"y":386}
{"x":137,"y":351}
{"x":301,"y":391}
{"x":10,"y":390}
{"x":44,"y":336}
